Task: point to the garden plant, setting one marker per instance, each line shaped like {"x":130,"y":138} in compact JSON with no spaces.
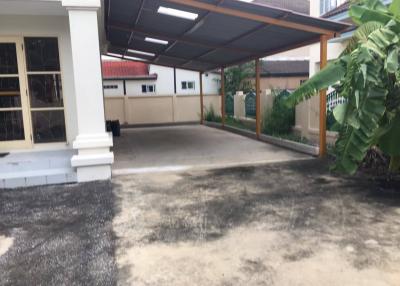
{"x":367,"y":74}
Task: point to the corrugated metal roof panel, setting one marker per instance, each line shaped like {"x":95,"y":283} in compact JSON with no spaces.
{"x":219,"y":37}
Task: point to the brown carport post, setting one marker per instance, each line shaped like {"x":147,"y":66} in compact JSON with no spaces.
{"x":201,"y":99}
{"x":322,"y":98}
{"x":223,"y":96}
{"x":258,"y":100}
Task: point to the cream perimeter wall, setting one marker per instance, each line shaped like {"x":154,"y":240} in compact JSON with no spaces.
{"x":49,"y":26}
{"x":163,"y":106}
{"x":155,"y":109}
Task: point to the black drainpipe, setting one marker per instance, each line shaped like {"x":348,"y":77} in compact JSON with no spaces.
{"x":174,"y":80}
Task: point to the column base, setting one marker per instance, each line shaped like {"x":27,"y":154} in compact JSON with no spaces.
{"x":94,"y":159}
{"x":93,"y":173}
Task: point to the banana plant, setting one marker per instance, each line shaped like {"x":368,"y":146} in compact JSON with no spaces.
{"x":367,"y":74}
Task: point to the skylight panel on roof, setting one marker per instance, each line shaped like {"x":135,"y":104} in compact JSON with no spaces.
{"x":135,"y":59}
{"x":141,"y":53}
{"x":156,"y":41}
{"x":177,"y":13}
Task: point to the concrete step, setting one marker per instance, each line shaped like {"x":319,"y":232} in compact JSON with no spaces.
{"x":26,"y":169}
{"x":37,"y":178}
{"x":21,"y":163}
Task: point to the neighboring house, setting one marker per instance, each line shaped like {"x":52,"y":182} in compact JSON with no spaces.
{"x":285,"y":74}
{"x":286,"y":70}
{"x":141,"y":79}
{"x":137,"y":93}
{"x":300,"y":6}
{"x":307,"y":113}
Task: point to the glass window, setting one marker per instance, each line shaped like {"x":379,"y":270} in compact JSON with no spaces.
{"x":184,"y":85}
{"x":42,"y":54}
{"x":10,"y":95}
{"x":11,"y":126}
{"x":48,"y":126}
{"x":45,"y":90}
{"x":8,"y":59}
{"x":190,"y":85}
{"x":148,"y":88}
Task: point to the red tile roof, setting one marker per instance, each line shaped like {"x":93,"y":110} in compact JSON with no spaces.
{"x":125,"y":70}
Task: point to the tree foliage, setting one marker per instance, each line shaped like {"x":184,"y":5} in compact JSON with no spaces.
{"x":367,"y":74}
{"x":237,"y":78}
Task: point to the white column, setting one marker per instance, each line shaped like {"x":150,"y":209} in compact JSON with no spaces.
{"x":94,"y":159}
{"x":239,"y":106}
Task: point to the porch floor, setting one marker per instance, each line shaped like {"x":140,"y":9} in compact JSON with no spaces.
{"x":176,"y":148}
{"x":22,"y":169}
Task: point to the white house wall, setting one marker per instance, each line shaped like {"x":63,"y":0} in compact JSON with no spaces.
{"x":50,"y":26}
{"x":134,"y":87}
{"x":114,"y":91}
{"x":307,"y":112}
{"x":211,"y":83}
{"x":165,"y":83}
{"x":165,"y":80}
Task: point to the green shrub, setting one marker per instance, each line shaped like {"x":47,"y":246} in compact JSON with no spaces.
{"x":211,"y":116}
{"x":281,"y":118}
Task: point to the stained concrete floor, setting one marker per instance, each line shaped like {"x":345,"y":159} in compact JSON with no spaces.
{"x":290,"y":223}
{"x":280,"y":224}
{"x":190,"y":146}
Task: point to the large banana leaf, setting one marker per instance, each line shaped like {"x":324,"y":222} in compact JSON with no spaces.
{"x":353,"y":143}
{"x":328,"y":76}
{"x":390,"y":141}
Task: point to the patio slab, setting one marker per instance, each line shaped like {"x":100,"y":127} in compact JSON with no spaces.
{"x":190,"y":146}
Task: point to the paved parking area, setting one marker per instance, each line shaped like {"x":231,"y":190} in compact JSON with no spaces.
{"x":190,"y":146}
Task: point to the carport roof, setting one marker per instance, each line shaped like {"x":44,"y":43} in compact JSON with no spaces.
{"x":224,"y":33}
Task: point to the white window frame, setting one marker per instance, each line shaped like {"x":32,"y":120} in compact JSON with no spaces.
{"x":146,"y":88}
{"x":110,"y":86}
{"x":185,"y":85}
{"x":33,"y":109}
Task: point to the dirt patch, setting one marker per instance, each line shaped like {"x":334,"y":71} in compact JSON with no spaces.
{"x":281,"y":224}
{"x":5,"y":244}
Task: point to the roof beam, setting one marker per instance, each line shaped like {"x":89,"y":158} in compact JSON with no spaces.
{"x":276,"y":51}
{"x":152,"y":62}
{"x":137,"y":18}
{"x":165,"y":55}
{"x":127,"y":28}
{"x":253,"y":17}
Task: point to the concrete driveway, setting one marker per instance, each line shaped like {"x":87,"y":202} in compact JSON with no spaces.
{"x":290,"y":223}
{"x":280,"y":224}
{"x":190,"y":147}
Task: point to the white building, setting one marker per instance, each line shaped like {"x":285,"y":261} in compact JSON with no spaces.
{"x":138,"y":78}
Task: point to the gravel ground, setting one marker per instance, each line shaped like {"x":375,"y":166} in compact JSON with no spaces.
{"x":58,"y":235}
